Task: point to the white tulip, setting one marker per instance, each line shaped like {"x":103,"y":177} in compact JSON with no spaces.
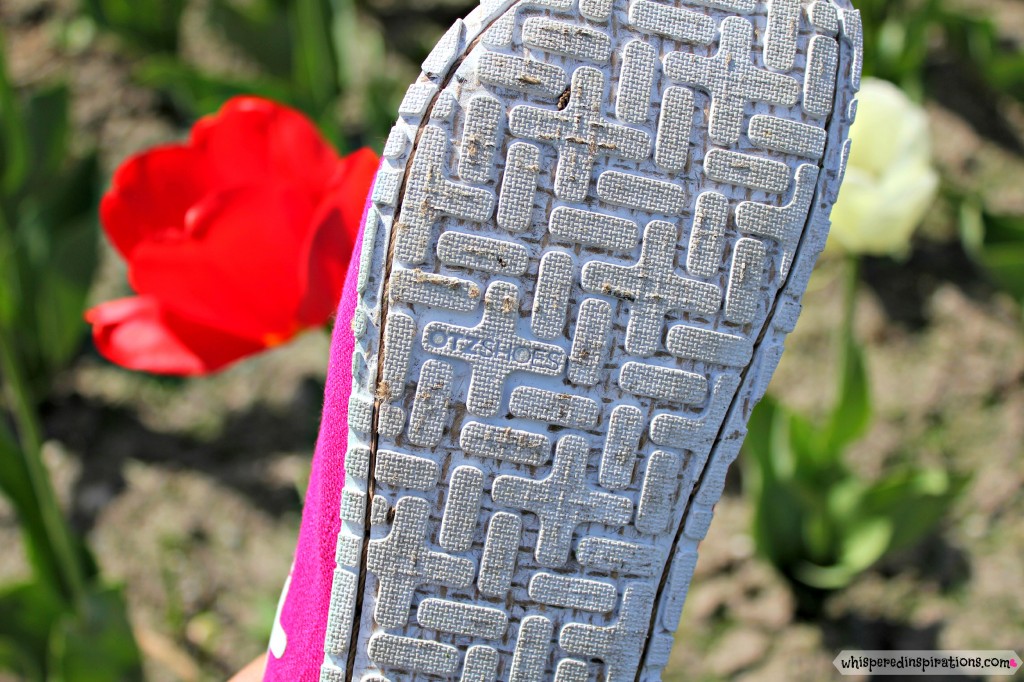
{"x":890,"y":182}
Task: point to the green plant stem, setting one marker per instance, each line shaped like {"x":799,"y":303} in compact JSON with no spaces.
{"x":59,"y":537}
{"x":851,"y":288}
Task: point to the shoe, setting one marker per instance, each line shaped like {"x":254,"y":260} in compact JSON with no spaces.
{"x":587,"y":243}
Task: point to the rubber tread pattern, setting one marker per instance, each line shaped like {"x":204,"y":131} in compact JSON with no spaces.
{"x":588,"y":240}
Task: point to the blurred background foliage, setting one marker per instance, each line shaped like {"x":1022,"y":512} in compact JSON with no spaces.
{"x":905,"y":35}
{"x":63,"y":620}
{"x":329,"y":58}
{"x":884,"y":514}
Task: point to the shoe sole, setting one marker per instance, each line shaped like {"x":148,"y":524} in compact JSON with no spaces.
{"x":588,"y":240}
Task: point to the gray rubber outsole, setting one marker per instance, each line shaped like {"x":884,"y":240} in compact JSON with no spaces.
{"x":589,"y":238}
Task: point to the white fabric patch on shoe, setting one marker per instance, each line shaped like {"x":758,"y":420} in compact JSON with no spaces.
{"x":278,"y":637}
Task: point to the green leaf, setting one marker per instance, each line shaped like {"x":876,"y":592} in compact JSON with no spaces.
{"x":97,"y":646}
{"x":315,"y":74}
{"x":844,"y":501}
{"x":1006,"y":73}
{"x":71,"y":198}
{"x":31,"y":610}
{"x":1003,"y":229}
{"x":370,"y":79}
{"x":16,"y":484}
{"x":779,"y":505}
{"x":69,"y":219}
{"x":255,"y":28}
{"x":783,"y":459}
{"x":14,"y":155}
{"x":851,"y":416}
{"x":14,"y":659}
{"x":151,"y":25}
{"x":972,"y":226}
{"x":800,"y":452}
{"x":997,"y":244}
{"x":1005,"y":262}
{"x":47,"y":127}
{"x":892,"y":514}
{"x":913,"y":501}
{"x":347,"y":43}
{"x":61,"y":297}
{"x":819,"y":533}
{"x":12,"y":476}
{"x":865,"y":542}
{"x":759,"y":431}
{"x":863,"y":545}
{"x":978,"y":39}
{"x":807,"y":443}
{"x":198,"y":93}
{"x":55,"y":257}
{"x":778,"y":523}
{"x":8,"y":275}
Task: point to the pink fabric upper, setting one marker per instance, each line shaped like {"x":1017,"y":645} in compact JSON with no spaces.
{"x":303,"y":613}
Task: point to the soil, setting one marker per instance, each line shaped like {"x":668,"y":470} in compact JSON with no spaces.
{"x":190,"y":491}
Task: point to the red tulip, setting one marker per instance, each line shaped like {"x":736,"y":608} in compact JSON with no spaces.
{"x":236,"y":241}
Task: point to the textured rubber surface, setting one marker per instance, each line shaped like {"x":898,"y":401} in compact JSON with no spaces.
{"x":589,"y":238}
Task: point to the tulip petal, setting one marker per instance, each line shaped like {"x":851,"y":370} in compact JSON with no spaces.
{"x":890,"y":182}
{"x":150,"y":195}
{"x":337,"y":225}
{"x":239,"y":270}
{"x":137,"y":333}
{"x":351,"y":187}
{"x":256,"y":141}
{"x":326,"y":264}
